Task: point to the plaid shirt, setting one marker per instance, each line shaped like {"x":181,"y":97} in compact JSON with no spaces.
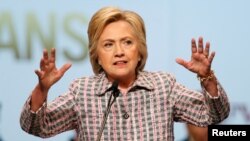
{"x":146,"y":112}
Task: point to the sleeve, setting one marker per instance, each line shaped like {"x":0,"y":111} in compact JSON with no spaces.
{"x":51,"y":119}
{"x":198,"y":107}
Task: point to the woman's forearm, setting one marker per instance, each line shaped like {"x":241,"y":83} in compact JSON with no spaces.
{"x":37,"y":98}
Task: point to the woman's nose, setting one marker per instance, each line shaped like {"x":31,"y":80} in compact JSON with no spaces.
{"x":119,"y":51}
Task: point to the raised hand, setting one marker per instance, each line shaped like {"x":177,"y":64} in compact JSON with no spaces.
{"x":48,"y":73}
{"x":201,"y":60}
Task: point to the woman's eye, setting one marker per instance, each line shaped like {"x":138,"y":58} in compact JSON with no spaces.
{"x":128,"y":42}
{"x":108,"y":45}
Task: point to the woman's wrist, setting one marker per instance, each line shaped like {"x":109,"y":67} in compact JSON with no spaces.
{"x":209,"y":82}
{"x":210,"y":76}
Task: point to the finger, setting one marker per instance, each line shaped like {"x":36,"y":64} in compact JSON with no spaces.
{"x":45,"y":57}
{"x":42,"y":64}
{"x":181,"y":62}
{"x":206,"y":51}
{"x":45,"y":54}
{"x":38,"y":73}
{"x":52,"y":55}
{"x":44,"y":60}
{"x":64,"y":68}
{"x":211,"y":57}
{"x":193,"y":46}
{"x":200,"y":45}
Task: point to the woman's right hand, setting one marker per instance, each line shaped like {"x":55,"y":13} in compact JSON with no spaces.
{"x":48,"y":73}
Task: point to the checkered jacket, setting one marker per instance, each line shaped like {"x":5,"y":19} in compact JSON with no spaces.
{"x":145,"y":113}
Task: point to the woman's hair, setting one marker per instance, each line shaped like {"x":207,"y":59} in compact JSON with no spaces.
{"x":107,"y":15}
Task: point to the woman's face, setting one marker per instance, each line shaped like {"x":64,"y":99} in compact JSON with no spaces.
{"x":117,"y":51}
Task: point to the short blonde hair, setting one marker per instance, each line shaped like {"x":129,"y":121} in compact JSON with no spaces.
{"x":107,"y":15}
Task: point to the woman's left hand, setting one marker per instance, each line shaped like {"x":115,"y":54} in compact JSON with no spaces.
{"x":201,"y":60}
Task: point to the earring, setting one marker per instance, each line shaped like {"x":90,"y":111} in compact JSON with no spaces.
{"x":99,"y":62}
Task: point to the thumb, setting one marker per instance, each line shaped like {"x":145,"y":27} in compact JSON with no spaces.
{"x":182,"y":62}
{"x":65,"y":67}
{"x":38,"y":73}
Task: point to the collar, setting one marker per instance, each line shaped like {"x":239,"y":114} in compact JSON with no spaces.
{"x":143,"y":81}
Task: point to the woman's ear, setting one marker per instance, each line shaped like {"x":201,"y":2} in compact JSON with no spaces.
{"x":139,"y":59}
{"x":99,"y":62}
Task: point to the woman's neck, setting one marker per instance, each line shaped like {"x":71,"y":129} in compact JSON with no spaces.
{"x":125,"y":84}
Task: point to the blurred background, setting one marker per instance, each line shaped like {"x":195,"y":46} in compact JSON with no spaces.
{"x":26,"y":27}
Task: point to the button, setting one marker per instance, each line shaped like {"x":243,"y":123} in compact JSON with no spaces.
{"x":126,"y":115}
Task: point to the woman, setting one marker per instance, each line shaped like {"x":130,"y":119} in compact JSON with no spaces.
{"x":147,"y":103}
{"x":196,"y":133}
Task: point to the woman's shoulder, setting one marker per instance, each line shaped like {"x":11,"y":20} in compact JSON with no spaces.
{"x":158,"y":75}
{"x":157,"y":79}
{"x":89,"y":78}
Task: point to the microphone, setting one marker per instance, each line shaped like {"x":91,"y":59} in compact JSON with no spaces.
{"x":114,"y":88}
{"x":115,"y":93}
